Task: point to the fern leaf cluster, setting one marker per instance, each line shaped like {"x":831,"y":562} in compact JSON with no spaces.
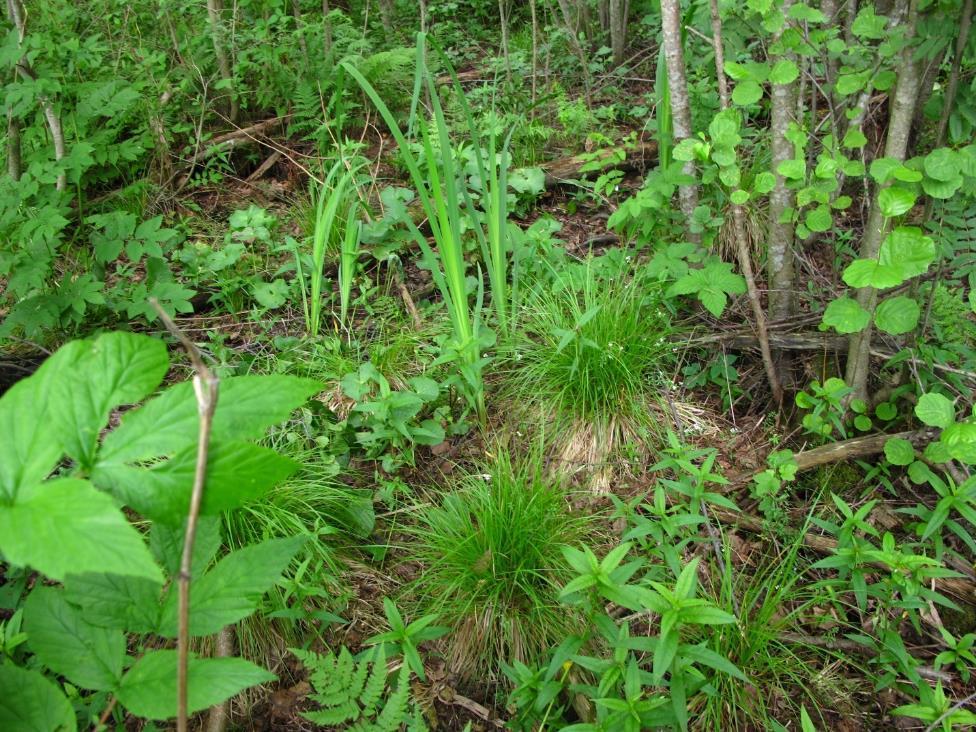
{"x":359,"y":695}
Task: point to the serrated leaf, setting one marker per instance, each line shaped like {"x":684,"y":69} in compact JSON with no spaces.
{"x":943,"y":164}
{"x":907,"y":250}
{"x":895,"y":201}
{"x":116,"y":601}
{"x":897,"y":315}
{"x":246,"y":407}
{"x":899,"y":451}
{"x":794,"y":169}
{"x":819,"y":218}
{"x":854,"y":138}
{"x":232,"y":589}
{"x":66,"y":526}
{"x":88,"y":656}
{"x":783,"y":72}
{"x":117,"y":368}
{"x":871,"y":273}
{"x":237,"y":472}
{"x":845,"y":315}
{"x":29,"y":448}
{"x":747,"y":92}
{"x":31,"y":703}
{"x":148,"y":689}
{"x":935,"y":410}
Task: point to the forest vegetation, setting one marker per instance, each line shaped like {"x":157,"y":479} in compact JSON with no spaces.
{"x":586,"y":365}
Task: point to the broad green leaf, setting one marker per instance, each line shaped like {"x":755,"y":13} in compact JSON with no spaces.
{"x":895,"y":201}
{"x":116,"y":368}
{"x":848,"y":84}
{"x":711,"y":283}
{"x":246,"y":407}
{"x":88,"y":656}
{"x":869,"y":25}
{"x":783,"y":72}
{"x":935,"y":410}
{"x":871,"y":273}
{"x":66,"y":526}
{"x":29,"y":448}
{"x":886,"y":411}
{"x":764,"y":182}
{"x":897,"y":315}
{"x":819,"y":218}
{"x":960,"y":441}
{"x":794,"y":169}
{"x":899,"y":451}
{"x":232,"y":589}
{"x":943,"y":164}
{"x":854,"y":138}
{"x":908,"y":250}
{"x":883,"y":168}
{"x":845,"y":315}
{"x":148,"y":689}
{"x":166,"y":544}
{"x":116,"y":601}
{"x":739,"y":197}
{"x":237,"y":472}
{"x":29,"y":702}
{"x":942,"y":189}
{"x":747,"y":92}
{"x":737,"y":71}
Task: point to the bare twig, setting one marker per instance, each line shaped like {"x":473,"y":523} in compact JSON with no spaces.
{"x":206,"y":386}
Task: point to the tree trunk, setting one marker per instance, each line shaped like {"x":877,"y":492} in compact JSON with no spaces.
{"x":386,"y":15}
{"x":16,"y":12}
{"x":13,"y":147}
{"x":503,"y":19}
{"x":619,"y":10}
{"x":214,"y":11}
{"x":739,"y":225}
{"x":680,"y":107}
{"x":781,"y":199}
{"x":326,"y":29}
{"x":952,"y":86}
{"x":535,"y":53}
{"x":903,"y":104}
{"x":603,"y":13}
{"x":296,"y":11}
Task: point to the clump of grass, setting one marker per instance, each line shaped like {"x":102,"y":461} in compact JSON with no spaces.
{"x":592,"y":356}
{"x":492,"y":565}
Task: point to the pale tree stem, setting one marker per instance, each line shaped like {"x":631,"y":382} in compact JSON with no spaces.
{"x":23,"y":68}
{"x":214,"y":11}
{"x":739,"y":226}
{"x":781,"y":198}
{"x":326,"y":29}
{"x":952,"y":86}
{"x":680,"y":107}
{"x":503,"y":20}
{"x":896,"y":146}
{"x":619,"y":10}
{"x":13,"y":147}
{"x":206,"y":387}
{"x":220,"y":714}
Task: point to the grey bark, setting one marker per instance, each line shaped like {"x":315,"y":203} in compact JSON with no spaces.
{"x":680,"y":107}
{"x":619,"y":11}
{"x":386,"y":15}
{"x":902,"y":112}
{"x":13,"y":147}
{"x":326,"y":29}
{"x":781,"y":201}
{"x":952,"y":86}
{"x":16,"y":13}
{"x":214,"y":12}
{"x":603,"y":14}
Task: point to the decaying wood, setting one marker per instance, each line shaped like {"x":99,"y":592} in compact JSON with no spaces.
{"x":264,"y":167}
{"x":859,"y":447}
{"x":226,"y":141}
{"x":564,"y":170}
{"x":959,"y":587}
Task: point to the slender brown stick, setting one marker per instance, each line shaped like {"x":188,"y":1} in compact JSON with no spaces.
{"x":739,"y":227}
{"x":206,"y":386}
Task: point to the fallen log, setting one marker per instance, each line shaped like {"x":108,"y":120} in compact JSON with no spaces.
{"x":859,"y":447}
{"x":562,"y":171}
{"x":961,"y":588}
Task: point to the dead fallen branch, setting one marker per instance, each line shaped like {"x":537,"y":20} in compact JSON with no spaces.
{"x":959,"y":587}
{"x":562,"y":171}
{"x":859,"y":447}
